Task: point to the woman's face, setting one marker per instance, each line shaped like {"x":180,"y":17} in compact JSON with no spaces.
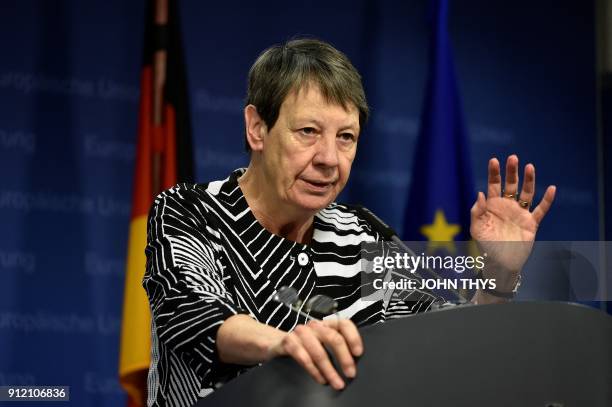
{"x":307,"y":155}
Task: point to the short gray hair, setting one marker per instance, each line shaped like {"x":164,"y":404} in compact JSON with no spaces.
{"x":281,"y":69}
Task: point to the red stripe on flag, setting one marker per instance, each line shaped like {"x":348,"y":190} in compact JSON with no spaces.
{"x":143,"y":187}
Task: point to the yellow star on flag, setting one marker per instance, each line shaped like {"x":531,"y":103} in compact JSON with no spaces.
{"x":440,"y":233}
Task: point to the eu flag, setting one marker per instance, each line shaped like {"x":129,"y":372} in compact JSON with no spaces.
{"x":441,"y":192}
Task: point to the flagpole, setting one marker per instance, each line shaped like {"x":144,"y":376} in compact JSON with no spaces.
{"x":159,"y":80}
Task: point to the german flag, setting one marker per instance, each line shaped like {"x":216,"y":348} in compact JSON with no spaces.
{"x":163,"y":158}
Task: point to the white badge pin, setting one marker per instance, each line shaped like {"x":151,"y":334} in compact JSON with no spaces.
{"x":302,"y":259}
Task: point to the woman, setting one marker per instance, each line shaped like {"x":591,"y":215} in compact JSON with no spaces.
{"x":218,"y":252}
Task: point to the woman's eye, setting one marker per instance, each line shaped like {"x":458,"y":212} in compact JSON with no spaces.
{"x":309,"y":131}
{"x":347,"y":137}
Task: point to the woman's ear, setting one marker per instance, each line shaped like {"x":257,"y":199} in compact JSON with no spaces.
{"x":256,"y":128}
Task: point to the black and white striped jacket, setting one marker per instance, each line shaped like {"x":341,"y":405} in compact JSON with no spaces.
{"x":208,"y":258}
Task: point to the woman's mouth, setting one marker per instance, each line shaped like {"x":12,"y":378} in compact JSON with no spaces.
{"x":318,"y":185}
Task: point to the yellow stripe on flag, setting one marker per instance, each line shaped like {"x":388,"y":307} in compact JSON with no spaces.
{"x":135,"y":348}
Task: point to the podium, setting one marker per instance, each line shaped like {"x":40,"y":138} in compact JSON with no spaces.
{"x":527,"y":354}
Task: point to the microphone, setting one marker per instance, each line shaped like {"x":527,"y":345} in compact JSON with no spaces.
{"x":319,"y":304}
{"x":388,"y":233}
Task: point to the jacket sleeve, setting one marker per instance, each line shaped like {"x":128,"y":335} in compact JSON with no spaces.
{"x":185,"y":282}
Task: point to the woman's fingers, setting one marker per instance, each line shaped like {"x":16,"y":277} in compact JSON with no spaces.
{"x":494,"y":179}
{"x":511,"y":182}
{"x":335,"y":341}
{"x":512,"y":178}
{"x":540,"y":211}
{"x":294,"y":347}
{"x":313,"y":344}
{"x":309,"y":345}
{"x":349,"y":330}
{"x":480,"y":206}
{"x":528,"y":190}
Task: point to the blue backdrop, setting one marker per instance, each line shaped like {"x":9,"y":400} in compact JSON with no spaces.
{"x":69,"y":85}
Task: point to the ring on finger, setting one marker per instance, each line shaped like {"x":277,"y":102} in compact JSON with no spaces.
{"x":524,"y":204}
{"x":511,"y":196}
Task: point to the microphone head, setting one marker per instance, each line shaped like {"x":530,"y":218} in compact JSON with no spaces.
{"x":321,"y":304}
{"x":287,"y":295}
